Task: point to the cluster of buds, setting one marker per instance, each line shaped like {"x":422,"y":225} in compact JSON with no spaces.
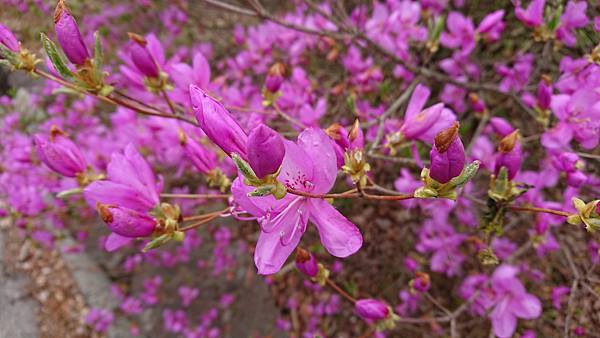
{"x":309,"y":266}
{"x":265,"y":156}
{"x":377,"y":311}
{"x":12,"y":54}
{"x":587,"y":213}
{"x":447,"y":171}
{"x":154,"y":79}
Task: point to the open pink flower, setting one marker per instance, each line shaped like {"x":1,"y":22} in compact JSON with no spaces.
{"x":533,"y":16}
{"x":512,"y":301}
{"x":125,"y":198}
{"x":310,"y":166}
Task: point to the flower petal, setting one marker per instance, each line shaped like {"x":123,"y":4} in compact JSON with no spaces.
{"x":526,"y":306}
{"x":274,"y":247}
{"x":339,"y":236}
{"x":114,"y":242}
{"x":319,"y":148}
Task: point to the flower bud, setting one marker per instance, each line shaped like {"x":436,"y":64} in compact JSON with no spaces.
{"x":8,"y":39}
{"x":203,"y":159}
{"x":275,"y":77}
{"x":421,"y":282}
{"x":60,"y":153}
{"x":141,"y":57}
{"x":217,"y":123}
{"x":356,"y":136}
{"x":371,"y":309}
{"x":265,"y":150}
{"x":510,"y":155}
{"x":68,"y":35}
{"x":447,"y":155}
{"x":306,"y":263}
{"x":126,"y":222}
{"x":544,"y":93}
{"x":500,"y":126}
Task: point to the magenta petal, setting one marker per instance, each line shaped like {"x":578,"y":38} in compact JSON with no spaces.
{"x":201,"y":70}
{"x":338,"y":235}
{"x":319,"y":147}
{"x":107,"y":192}
{"x":127,"y":222}
{"x":504,"y":322}
{"x":115,"y":241}
{"x":526,"y":306}
{"x":417,"y":101}
{"x":274,"y":247}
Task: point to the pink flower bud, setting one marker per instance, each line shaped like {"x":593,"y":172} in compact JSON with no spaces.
{"x":8,"y":39}
{"x":544,"y":93}
{"x":447,"y":155}
{"x":371,"y":309}
{"x":218,"y":124}
{"x":275,"y":77}
{"x":500,"y":126}
{"x":68,"y":35}
{"x":265,"y":150}
{"x":509,"y":155}
{"x":59,"y":153}
{"x":141,"y":57}
{"x":306,"y":263}
{"x":126,"y":222}
{"x":421,"y":282}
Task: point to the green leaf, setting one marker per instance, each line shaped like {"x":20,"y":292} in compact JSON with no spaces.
{"x":56,"y":58}
{"x":468,"y":172}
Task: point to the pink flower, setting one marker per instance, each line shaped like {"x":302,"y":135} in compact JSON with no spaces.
{"x":533,"y":16}
{"x":573,"y":17}
{"x":424,"y":124}
{"x":310,"y":166}
{"x":125,"y":198}
{"x":512,"y":301}
{"x":461,"y":33}
{"x":491,"y":27}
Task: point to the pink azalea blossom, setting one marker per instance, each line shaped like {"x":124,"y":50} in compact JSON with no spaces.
{"x":310,"y":166}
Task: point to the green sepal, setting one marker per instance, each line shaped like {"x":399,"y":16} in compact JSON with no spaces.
{"x":8,"y":54}
{"x":98,"y":54}
{"x":262,"y":190}
{"x":69,"y":192}
{"x":157,"y":242}
{"x":245,"y":169}
{"x":56,"y":58}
